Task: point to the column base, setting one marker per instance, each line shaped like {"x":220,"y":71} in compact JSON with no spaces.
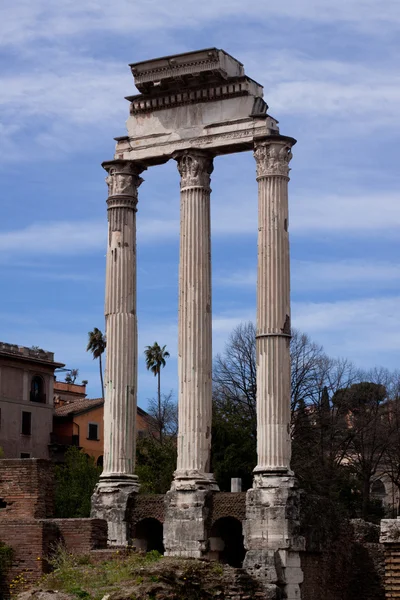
{"x":194,"y":480}
{"x":186,"y":514}
{"x":271,"y":535}
{"x":112,"y":501}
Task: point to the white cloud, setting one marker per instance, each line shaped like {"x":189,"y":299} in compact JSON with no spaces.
{"x":243,"y":278}
{"x":303,"y":84}
{"x":326,"y":275}
{"x":83,"y":91}
{"x":43,"y":20}
{"x":358,"y":212}
{"x":52,"y":89}
{"x":55,"y":238}
{"x":76,"y":237}
{"x":344,"y":274}
{"x":362,"y":329}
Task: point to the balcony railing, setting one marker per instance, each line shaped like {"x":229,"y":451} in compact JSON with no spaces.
{"x":64,"y":440}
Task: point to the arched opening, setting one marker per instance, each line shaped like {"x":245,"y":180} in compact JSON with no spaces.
{"x":37,"y":390}
{"x":226,"y":541}
{"x":378,"y":489}
{"x":148,"y":535}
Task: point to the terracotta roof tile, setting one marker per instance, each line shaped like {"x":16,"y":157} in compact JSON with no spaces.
{"x":77,"y":406}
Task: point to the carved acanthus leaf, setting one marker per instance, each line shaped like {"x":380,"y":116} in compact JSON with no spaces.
{"x":123,"y":179}
{"x":272,"y":158}
{"x":195,"y":169}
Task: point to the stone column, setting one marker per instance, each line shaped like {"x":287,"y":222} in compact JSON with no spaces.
{"x":118,"y":483}
{"x":195,"y":322}
{"x":272,"y":505}
{"x":186,"y":503}
{"x":273,"y":307}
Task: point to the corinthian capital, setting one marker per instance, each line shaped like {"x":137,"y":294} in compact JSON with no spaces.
{"x":272,"y":158}
{"x":195,"y":168}
{"x":123,"y":179}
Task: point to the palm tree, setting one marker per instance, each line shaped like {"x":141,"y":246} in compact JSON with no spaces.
{"x":97,"y":345}
{"x":155,"y":359}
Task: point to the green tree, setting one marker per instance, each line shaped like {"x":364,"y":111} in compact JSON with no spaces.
{"x":233,"y":450}
{"x":155,"y":453}
{"x":371,"y":425}
{"x":97,"y":345}
{"x":75,"y":482}
{"x":155,"y":464}
{"x":155,"y":359}
{"x":320,"y":435}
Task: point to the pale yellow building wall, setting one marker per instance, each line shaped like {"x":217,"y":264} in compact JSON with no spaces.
{"x":15,"y":386}
{"x":91,"y":447}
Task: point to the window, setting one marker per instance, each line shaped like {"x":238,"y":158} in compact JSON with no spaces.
{"x":37,"y":390}
{"x":25,"y":455}
{"x":26,"y":423}
{"x":378,"y":489}
{"x":93,"y":431}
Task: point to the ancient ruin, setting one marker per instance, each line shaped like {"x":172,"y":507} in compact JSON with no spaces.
{"x":191,"y":108}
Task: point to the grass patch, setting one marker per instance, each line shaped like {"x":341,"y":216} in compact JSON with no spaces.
{"x":87,"y":579}
{"x":137,"y":577}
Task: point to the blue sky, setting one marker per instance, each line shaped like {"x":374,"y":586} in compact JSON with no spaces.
{"x":331,"y":78}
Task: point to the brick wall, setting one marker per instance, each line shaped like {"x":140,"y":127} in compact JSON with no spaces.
{"x":31,"y":541}
{"x":227,"y":504}
{"x":221,"y":504}
{"x":390,"y":539}
{"x":26,"y":493}
{"x":146,"y":506}
{"x":392,"y":571}
{"x":26,"y":489}
{"x":348,"y":567}
{"x":82,"y":535}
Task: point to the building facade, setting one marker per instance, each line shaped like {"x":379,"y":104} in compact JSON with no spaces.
{"x":79,"y":422}
{"x":66,"y":392}
{"x":26,"y":401}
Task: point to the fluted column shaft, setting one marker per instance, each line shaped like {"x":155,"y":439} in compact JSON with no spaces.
{"x":195,"y":338}
{"x":273,"y":306}
{"x":121,"y":322}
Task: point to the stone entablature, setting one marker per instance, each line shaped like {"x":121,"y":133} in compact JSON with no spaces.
{"x":188,"y":68}
{"x":198,"y":100}
{"x":207,"y":93}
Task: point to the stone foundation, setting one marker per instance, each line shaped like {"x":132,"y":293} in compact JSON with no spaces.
{"x":112,"y":501}
{"x":185,"y":527}
{"x":271,"y":536}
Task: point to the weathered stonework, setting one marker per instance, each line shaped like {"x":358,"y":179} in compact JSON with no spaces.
{"x":272,"y":505}
{"x":193,"y":107}
{"x":200,"y":99}
{"x":273,"y":307}
{"x":185,"y":531}
{"x":118,"y":483}
{"x":194,"y":325}
{"x":271,"y":536}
